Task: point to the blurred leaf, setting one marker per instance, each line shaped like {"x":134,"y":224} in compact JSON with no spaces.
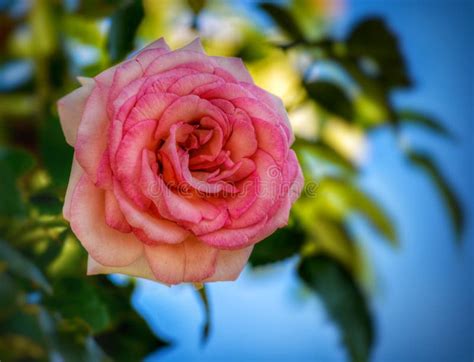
{"x":344,"y":302}
{"x":284,"y":19}
{"x":416,"y":118}
{"x":77,"y":298}
{"x":96,"y":9}
{"x":56,"y":153}
{"x":202,"y":293}
{"x":196,"y":5}
{"x":454,"y":206}
{"x":9,"y":294}
{"x":18,"y":105}
{"x":334,"y":239}
{"x":372,"y":39}
{"x":69,"y":340}
{"x":18,"y":161}
{"x":362,"y":203}
{"x":325,"y":153}
{"x":21,"y":267}
{"x":332,"y":98}
{"x":16,"y":347}
{"x":47,"y":202}
{"x":21,"y":336}
{"x":123,"y":28}
{"x":282,"y":244}
{"x":130,"y":337}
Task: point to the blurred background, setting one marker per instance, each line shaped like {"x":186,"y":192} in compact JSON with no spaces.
{"x":376,"y":263}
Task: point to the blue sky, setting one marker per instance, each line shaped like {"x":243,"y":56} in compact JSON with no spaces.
{"x":423,"y":300}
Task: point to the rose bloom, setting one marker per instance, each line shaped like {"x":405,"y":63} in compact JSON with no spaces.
{"x":181,"y":165}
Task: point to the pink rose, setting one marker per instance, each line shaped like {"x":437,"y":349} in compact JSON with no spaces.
{"x":181,"y":165}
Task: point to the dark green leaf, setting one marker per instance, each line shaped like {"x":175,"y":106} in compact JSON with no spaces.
{"x":324,"y":153}
{"x":196,"y":5}
{"x":282,"y":244}
{"x":344,"y":301}
{"x":362,"y":203}
{"x":130,"y":337}
{"x":97,"y":9}
{"x":454,"y":206}
{"x":202,"y":293}
{"x":332,"y":98}
{"x":417,"y":118}
{"x":77,"y":298}
{"x":56,"y":153}
{"x":22,"y":267}
{"x":9,"y":294}
{"x":124,"y":26}
{"x":14,"y":163}
{"x":70,"y":339}
{"x":47,"y":202}
{"x":17,"y":160}
{"x":372,"y":41}
{"x":284,"y":19}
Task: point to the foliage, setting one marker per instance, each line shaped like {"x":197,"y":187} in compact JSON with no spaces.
{"x":48,"y":308}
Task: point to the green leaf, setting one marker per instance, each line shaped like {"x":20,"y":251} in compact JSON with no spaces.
{"x":130,"y":337}
{"x":77,"y":298}
{"x":96,"y":9}
{"x":324,"y":153}
{"x":344,"y":301}
{"x":282,"y":244}
{"x":196,"y":5}
{"x":22,"y":267}
{"x":362,"y":203}
{"x":332,"y":98}
{"x":47,"y":202}
{"x":9,"y":294}
{"x":18,"y":161}
{"x":454,"y":206}
{"x":202,"y":294}
{"x":70,"y":340}
{"x":284,"y":19}
{"x":124,"y":26}
{"x":371,"y":39}
{"x":420,"y":119}
{"x":56,"y":153}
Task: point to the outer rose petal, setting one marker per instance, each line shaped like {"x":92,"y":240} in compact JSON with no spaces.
{"x":106,"y":245}
{"x":71,"y":108}
{"x":194,"y":46}
{"x":230,"y":264}
{"x":190,"y":261}
{"x":91,"y":141}
{"x":234,"y":66}
{"x":75,"y":176}
{"x":139,"y":268}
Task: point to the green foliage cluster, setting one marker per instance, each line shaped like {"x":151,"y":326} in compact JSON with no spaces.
{"x":48,"y":308}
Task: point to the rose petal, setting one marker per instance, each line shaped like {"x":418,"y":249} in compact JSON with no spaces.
{"x":128,"y":158}
{"x":230,"y":264}
{"x":91,"y":142}
{"x":87,"y":214}
{"x":74,"y":177}
{"x":242,"y":141}
{"x":71,"y":108}
{"x":190,"y":261}
{"x":271,"y":139}
{"x":158,"y":230}
{"x":231,"y":239}
{"x":194,"y":46}
{"x":113,"y":215}
{"x":139,"y":268}
{"x":234,"y":66}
